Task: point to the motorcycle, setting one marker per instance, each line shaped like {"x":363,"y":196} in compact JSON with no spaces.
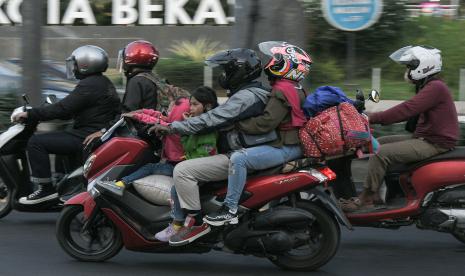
{"x":15,"y":174}
{"x":279,"y":220}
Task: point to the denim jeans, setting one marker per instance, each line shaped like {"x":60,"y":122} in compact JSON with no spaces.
{"x":256,"y":158}
{"x":176,"y":211}
{"x":149,"y":169}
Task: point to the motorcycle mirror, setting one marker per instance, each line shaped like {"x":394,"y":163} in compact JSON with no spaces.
{"x":25,"y":98}
{"x":374,"y":96}
{"x":51,"y":99}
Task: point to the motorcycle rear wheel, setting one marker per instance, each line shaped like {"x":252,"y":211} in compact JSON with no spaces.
{"x":324,"y":230}
{"x":100,"y":243}
{"x":6,"y":199}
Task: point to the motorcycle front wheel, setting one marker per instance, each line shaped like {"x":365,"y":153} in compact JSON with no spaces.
{"x":6,"y":199}
{"x":101,"y":241}
{"x":317,"y":244}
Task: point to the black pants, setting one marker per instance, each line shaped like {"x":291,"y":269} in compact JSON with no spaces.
{"x":41,"y":145}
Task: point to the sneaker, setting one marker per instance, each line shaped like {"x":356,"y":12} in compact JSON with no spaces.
{"x":189,"y":233}
{"x":166,"y":233}
{"x":221,"y":217}
{"x":44,"y":193}
{"x":113,"y":186}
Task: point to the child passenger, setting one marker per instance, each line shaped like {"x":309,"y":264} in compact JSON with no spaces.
{"x":175,"y":148}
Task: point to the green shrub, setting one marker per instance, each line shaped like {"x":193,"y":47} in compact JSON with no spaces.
{"x":196,"y":50}
{"x":181,"y":72}
{"x":326,"y":71}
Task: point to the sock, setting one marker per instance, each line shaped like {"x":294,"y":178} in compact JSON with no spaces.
{"x":196,"y":215}
{"x":177,"y":224}
{"x":120,"y":184}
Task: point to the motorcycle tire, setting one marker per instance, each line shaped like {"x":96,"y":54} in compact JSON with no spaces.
{"x":6,"y":199}
{"x":328,"y":227}
{"x":71,"y":218}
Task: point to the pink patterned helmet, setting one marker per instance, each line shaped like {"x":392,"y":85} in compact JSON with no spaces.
{"x":287,"y":61}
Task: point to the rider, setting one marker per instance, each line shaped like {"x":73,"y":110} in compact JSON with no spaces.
{"x":287,"y":66}
{"x":137,"y":60}
{"x":92,"y":104}
{"x":436,"y":130}
{"x":247,"y":98}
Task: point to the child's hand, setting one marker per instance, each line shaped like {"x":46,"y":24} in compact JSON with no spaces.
{"x":186,"y":115}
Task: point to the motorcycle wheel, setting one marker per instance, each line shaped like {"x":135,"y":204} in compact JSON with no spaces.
{"x":101,"y":242}
{"x":320,"y":244}
{"x":6,"y":199}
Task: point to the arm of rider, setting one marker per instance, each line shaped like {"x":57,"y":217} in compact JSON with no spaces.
{"x":20,"y":117}
{"x":218,"y":116}
{"x":275,"y":112}
{"x":67,"y":107}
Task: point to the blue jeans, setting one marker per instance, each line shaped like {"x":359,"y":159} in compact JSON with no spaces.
{"x":176,"y":211}
{"x":149,"y":169}
{"x":256,"y":158}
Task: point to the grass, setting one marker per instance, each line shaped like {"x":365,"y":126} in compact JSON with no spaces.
{"x":390,"y":90}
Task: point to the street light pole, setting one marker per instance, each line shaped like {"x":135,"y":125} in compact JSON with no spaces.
{"x":32,"y":12}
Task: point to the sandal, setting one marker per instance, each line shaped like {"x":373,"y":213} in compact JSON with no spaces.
{"x":350,"y":205}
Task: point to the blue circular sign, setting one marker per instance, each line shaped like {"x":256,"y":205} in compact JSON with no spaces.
{"x":352,"y":15}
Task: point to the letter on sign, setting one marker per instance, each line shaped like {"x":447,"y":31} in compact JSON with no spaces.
{"x":210,"y":9}
{"x":79,"y":9}
{"x":124,"y":12}
{"x":175,"y":13}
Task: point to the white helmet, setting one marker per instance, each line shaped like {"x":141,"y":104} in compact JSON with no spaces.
{"x":422,"y":61}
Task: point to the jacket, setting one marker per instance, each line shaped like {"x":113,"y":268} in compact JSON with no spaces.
{"x":199,"y":145}
{"x":277,"y":112}
{"x":92,"y":105}
{"x":141,"y":92}
{"x":438,"y":122}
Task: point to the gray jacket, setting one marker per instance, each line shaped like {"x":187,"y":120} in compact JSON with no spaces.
{"x":245,"y":103}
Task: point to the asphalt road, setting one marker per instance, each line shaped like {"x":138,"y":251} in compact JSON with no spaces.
{"x":28,"y":247}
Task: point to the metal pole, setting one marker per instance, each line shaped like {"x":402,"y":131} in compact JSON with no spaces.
{"x":32,"y":14}
{"x":462,"y":85}
{"x":350,"y":65}
{"x":376,"y":79}
{"x":207,"y":76}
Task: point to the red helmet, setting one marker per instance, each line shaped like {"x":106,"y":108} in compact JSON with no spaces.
{"x":139,"y":53}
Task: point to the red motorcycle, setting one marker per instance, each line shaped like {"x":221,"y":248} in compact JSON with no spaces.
{"x":278,"y":218}
{"x":430,"y":194}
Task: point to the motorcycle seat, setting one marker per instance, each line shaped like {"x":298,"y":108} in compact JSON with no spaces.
{"x":457,"y":153}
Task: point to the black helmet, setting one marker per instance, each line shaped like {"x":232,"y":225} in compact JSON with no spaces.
{"x":239,"y":66}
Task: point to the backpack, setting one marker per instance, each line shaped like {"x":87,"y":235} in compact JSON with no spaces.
{"x":335,"y":131}
{"x":322,"y":98}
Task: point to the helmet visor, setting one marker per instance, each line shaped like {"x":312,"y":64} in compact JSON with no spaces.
{"x":70,"y":68}
{"x":270,"y":48}
{"x":405,"y":56}
{"x":120,"y":61}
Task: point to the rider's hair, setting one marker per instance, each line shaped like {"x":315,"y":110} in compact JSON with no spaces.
{"x":205,"y":95}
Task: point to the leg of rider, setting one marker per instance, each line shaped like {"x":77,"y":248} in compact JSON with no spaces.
{"x":256,"y":158}
{"x":39,"y":147}
{"x":178,"y":218}
{"x":186,"y":176}
{"x":407,"y":151}
{"x":149,"y":169}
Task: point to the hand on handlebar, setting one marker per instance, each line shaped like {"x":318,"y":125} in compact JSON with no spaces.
{"x":91,"y":138}
{"x":20,"y":117}
{"x":160,"y":130}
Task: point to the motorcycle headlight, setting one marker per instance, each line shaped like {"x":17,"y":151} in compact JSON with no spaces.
{"x":88,"y":164}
